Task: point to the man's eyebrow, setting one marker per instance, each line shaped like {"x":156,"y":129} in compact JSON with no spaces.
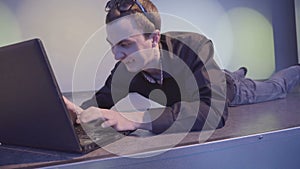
{"x":124,"y":40}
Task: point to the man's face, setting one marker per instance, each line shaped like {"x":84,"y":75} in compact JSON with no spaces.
{"x":129,"y":45}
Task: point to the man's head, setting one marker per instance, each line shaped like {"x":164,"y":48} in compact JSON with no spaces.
{"x":133,"y":32}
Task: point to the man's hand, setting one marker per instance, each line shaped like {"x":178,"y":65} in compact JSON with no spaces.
{"x":119,"y":121}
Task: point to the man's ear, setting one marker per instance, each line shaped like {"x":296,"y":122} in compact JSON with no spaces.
{"x":155,"y":36}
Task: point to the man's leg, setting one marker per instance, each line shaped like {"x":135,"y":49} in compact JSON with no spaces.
{"x":288,"y":78}
{"x":249,"y":91}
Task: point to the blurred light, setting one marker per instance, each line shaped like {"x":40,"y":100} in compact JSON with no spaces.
{"x":253,"y":43}
{"x":9,"y":28}
{"x":64,"y":27}
{"x":242,"y":36}
{"x":207,"y":17}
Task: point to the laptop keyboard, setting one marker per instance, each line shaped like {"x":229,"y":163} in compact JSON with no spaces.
{"x":91,"y":133}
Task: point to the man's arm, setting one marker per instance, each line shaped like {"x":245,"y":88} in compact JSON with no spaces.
{"x":118,"y":120}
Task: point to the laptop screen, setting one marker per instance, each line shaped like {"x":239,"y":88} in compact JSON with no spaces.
{"x":32,"y":110}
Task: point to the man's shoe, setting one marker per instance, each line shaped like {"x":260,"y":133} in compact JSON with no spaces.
{"x":243,"y":71}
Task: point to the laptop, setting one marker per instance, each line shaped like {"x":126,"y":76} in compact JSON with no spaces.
{"x":33,"y":113}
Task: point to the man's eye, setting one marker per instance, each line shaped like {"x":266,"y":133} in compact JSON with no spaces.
{"x":125,"y":44}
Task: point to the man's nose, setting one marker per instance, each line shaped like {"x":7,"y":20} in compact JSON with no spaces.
{"x":119,"y":55}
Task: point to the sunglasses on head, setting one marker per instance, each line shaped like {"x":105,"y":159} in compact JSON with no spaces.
{"x":125,"y":5}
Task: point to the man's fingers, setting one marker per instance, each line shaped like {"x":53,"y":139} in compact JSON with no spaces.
{"x":68,"y":103}
{"x":78,"y":120}
{"x":108,"y":123}
{"x":91,"y":114}
{"x":78,"y":110}
{"x":72,"y":107}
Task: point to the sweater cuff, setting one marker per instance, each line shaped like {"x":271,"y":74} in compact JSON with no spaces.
{"x":162,"y":119}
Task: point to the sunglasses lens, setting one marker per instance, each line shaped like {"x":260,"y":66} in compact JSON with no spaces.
{"x":125,"y":5}
{"x":109,"y":6}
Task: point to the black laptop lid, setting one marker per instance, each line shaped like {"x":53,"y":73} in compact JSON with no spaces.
{"x":32,"y":112}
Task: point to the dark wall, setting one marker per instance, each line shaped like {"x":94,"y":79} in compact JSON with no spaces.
{"x":285,"y":35}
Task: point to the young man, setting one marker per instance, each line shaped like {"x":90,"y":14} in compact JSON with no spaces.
{"x":175,"y":69}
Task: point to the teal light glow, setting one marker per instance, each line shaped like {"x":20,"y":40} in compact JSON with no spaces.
{"x":253,"y":43}
{"x":9,"y":27}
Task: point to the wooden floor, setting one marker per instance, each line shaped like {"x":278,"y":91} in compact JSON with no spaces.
{"x":242,"y":121}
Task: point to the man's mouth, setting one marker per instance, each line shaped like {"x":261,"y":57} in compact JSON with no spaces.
{"x":129,"y":61}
